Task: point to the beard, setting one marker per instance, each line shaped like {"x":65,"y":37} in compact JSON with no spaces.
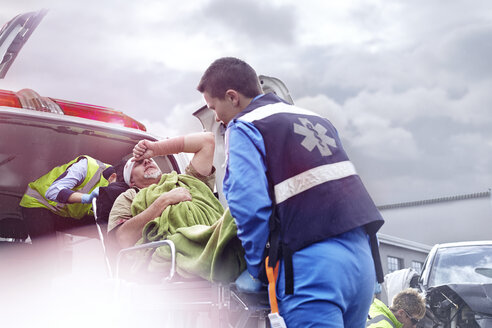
{"x":153,"y":174}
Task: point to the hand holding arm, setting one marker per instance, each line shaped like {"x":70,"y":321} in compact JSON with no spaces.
{"x":131,"y":231}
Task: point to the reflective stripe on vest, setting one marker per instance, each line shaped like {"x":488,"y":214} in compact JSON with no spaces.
{"x":307,"y":179}
{"x":37,"y":196}
{"x":272,"y":109}
{"x":379,"y":318}
{"x":95,"y":178}
{"x":311,"y":178}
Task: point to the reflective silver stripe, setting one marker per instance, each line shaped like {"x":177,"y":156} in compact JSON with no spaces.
{"x":268,"y":110}
{"x":36,"y":195}
{"x":95,"y":178}
{"x":379,"y":318}
{"x":311,"y":178}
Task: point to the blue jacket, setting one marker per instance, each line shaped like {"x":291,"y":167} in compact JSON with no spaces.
{"x":295,"y":158}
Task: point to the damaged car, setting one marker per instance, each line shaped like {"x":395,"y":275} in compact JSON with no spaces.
{"x":457,"y":281}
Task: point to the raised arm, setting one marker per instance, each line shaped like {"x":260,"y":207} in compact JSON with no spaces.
{"x":202,"y":144}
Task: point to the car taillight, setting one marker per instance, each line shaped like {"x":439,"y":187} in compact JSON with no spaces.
{"x":98,"y":113}
{"x":9,"y":99}
{"x":29,"y":99}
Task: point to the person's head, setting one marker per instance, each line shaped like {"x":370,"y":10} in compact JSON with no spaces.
{"x":141,"y":173}
{"x":228,"y":85}
{"x":110,"y":174}
{"x":114,"y":173}
{"x":408,"y":306}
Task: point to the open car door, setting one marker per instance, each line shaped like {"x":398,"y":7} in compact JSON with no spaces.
{"x":14,"y":35}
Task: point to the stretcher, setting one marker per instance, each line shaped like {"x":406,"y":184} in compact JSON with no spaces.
{"x":175,"y":302}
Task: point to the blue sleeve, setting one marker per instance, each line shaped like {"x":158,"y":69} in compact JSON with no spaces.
{"x":61,"y":189}
{"x":246,"y":190}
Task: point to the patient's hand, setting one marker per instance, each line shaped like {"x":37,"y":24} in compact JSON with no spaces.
{"x":177,"y":195}
{"x":144,"y":149}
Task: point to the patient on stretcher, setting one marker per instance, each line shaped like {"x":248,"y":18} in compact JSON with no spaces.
{"x":178,"y":207}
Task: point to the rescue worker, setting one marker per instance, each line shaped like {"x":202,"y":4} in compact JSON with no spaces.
{"x":407,"y":309}
{"x":291,"y":187}
{"x":61,"y":199}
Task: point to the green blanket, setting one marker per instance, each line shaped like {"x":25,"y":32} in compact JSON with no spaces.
{"x":203,"y":233}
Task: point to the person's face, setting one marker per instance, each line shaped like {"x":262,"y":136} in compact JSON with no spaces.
{"x":407,"y":319}
{"x":145,"y":173}
{"x":223,"y":108}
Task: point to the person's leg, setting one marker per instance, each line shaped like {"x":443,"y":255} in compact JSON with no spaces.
{"x":359,"y":297}
{"x":327,"y":279}
{"x":40,"y":223}
{"x":85,"y":226}
{"x":312,"y":314}
{"x":43,"y":253}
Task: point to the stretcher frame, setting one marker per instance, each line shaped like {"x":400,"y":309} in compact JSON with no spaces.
{"x":195,"y":303}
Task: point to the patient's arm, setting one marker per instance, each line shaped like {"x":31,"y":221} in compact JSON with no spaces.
{"x":128,"y":233}
{"x":201,"y":144}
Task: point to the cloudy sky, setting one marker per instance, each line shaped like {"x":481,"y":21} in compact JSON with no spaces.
{"x":406,"y":83}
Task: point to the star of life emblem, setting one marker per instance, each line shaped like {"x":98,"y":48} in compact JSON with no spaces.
{"x":315,"y":136}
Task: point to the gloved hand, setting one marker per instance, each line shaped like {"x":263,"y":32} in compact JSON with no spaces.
{"x":246,"y":283}
{"x":87,"y":198}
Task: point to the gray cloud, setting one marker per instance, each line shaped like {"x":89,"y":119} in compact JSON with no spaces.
{"x":468,"y":51}
{"x":409,"y":93}
{"x":257,"y":21}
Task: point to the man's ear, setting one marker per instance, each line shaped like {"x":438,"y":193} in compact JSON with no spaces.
{"x":112,"y":178}
{"x":233,"y":96}
{"x":399,"y":315}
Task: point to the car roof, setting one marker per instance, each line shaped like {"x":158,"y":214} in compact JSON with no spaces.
{"x":465,"y":243}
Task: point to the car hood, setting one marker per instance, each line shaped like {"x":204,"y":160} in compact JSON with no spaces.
{"x":478,"y":297}
{"x":14,"y":35}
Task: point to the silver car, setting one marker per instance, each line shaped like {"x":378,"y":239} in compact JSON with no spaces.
{"x":457,"y":281}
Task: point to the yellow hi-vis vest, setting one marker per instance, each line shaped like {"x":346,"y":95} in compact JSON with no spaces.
{"x":34,"y":196}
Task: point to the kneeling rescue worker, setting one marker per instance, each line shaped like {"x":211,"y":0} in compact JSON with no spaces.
{"x":61,"y":199}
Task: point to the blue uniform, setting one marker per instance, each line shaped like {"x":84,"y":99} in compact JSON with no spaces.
{"x":333,"y":277}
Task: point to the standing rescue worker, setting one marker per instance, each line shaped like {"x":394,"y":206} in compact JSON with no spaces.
{"x":61,"y":199}
{"x":290,"y":184}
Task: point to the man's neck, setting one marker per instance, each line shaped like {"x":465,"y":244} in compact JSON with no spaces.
{"x":149,"y":182}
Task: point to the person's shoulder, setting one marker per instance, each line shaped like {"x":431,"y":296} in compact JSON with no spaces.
{"x":128,"y":194}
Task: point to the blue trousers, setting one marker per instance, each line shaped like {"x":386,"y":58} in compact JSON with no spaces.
{"x":333,"y":283}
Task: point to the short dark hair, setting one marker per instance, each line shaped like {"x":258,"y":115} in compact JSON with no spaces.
{"x":118,"y":168}
{"x":230,"y":73}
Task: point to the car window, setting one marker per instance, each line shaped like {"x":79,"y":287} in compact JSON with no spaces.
{"x":459,"y":265}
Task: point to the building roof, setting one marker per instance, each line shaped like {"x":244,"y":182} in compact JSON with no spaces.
{"x":400,"y":242}
{"x":465,"y":217}
{"x":436,"y":200}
